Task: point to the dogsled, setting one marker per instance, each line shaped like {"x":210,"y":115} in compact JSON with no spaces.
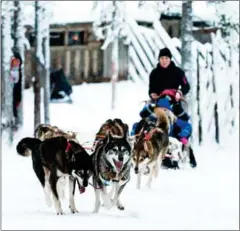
{"x":178,"y":154}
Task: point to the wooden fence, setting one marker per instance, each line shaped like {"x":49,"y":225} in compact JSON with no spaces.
{"x":83,"y":63}
{"x":215,"y":80}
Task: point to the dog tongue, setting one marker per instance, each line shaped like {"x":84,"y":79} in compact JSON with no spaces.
{"x":82,"y":189}
{"x":118,"y":164}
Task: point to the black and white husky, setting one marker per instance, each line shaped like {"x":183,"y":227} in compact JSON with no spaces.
{"x":54,"y":160}
{"x":111,"y":164}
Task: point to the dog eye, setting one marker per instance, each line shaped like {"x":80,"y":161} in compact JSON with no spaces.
{"x":111,"y":152}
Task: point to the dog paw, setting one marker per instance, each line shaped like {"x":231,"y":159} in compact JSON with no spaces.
{"x":60,"y":213}
{"x":120,"y":206}
{"x":95,"y":210}
{"x":74,"y":210}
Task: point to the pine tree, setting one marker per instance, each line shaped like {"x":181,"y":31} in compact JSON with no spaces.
{"x":107,"y":26}
{"x":46,"y":13}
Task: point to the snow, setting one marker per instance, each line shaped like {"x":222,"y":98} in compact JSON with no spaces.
{"x":202,"y":11}
{"x":78,"y":11}
{"x":81,"y":11}
{"x":204,"y":198}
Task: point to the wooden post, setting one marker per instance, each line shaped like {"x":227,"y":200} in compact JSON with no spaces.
{"x":198,"y":101}
{"x":214,"y":84}
{"x":86,"y":63}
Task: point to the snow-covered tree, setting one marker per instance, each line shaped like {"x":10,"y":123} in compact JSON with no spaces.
{"x":186,"y":48}
{"x":108,"y":25}
{"x":227,"y":13}
{"x":43,"y":12}
{"x":38,"y":55}
{"x":158,"y":6}
{"x":19,"y":42}
{"x":45,"y":26}
{"x":6,"y":83}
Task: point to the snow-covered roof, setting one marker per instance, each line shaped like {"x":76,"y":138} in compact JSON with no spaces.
{"x":81,"y":11}
{"x":72,"y":11}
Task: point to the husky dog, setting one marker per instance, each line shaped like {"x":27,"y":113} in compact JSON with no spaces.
{"x":112,"y":164}
{"x":116,"y":127}
{"x":150,"y":146}
{"x":53,"y":159}
{"x":184,"y":156}
{"x":46,"y":131}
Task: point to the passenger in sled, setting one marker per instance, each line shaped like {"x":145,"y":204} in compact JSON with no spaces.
{"x":167,"y":86}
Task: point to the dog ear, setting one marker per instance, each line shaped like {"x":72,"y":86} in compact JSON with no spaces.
{"x":125,"y":131}
{"x":109,"y":135}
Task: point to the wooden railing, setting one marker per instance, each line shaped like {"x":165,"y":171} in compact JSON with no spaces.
{"x":80,"y":63}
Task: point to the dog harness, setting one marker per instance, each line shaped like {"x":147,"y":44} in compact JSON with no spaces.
{"x":148,"y":135}
{"x":68,"y":147}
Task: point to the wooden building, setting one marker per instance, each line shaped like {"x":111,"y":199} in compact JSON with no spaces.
{"x":76,"y":47}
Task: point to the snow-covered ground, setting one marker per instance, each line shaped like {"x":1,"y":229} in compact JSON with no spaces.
{"x":203,"y":198}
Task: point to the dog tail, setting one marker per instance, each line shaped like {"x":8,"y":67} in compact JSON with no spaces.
{"x":26,"y":146}
{"x":162,"y":119}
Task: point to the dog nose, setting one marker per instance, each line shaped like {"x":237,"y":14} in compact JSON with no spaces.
{"x":85,"y":183}
{"x":136,"y":170}
{"x":120,"y":158}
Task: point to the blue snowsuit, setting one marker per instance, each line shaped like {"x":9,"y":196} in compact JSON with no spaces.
{"x":183,"y":128}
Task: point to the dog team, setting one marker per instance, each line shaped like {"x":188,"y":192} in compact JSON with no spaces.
{"x":58,"y":155}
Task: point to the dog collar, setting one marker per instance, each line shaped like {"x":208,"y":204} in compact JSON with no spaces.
{"x":105,"y":182}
